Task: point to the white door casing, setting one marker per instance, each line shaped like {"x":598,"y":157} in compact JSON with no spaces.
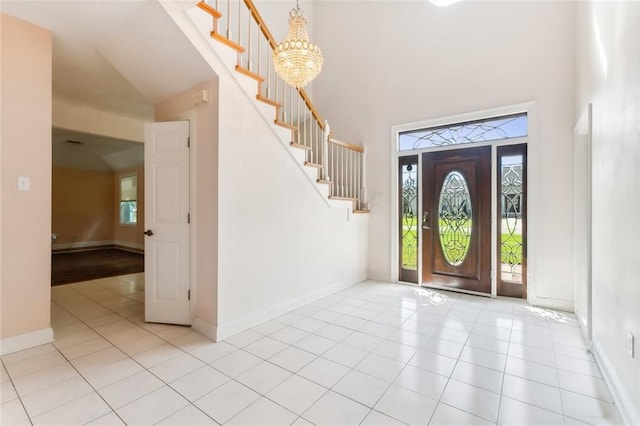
{"x":582,"y":222}
{"x":167,"y":278}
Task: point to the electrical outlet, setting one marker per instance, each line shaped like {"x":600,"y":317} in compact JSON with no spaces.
{"x":631,"y":341}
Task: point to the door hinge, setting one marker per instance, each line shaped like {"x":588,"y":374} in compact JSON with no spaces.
{"x":188,"y":217}
{"x":189,"y":142}
{"x":188,"y":294}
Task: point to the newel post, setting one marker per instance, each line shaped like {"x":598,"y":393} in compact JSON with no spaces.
{"x":325,"y":151}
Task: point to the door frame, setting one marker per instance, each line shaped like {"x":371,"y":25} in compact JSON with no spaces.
{"x":190,"y":116}
{"x":582,"y":215}
{"x":530,"y":109}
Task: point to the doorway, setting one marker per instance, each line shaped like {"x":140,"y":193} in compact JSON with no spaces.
{"x":456,"y":220}
{"x":462,"y":202}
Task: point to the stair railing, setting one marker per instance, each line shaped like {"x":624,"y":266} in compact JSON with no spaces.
{"x":238,"y":24}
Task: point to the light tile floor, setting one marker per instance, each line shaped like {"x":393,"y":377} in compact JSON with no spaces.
{"x":373,"y":354}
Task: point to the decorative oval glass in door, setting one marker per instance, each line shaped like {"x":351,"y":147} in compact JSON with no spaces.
{"x":455,"y":218}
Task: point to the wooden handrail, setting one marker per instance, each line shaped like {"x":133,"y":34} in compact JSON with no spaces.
{"x":261,"y":23}
{"x":346,"y":145}
{"x":272,"y":42}
{"x":312,"y":108}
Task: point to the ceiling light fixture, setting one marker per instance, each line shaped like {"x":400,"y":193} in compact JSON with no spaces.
{"x":296,"y":59}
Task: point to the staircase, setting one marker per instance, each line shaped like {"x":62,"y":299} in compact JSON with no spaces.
{"x":337,"y":168}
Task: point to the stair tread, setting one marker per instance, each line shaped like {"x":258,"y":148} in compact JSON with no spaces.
{"x":210,"y":10}
{"x":249,"y":73}
{"x":363,"y":211}
{"x":299,"y":146}
{"x":232,"y":44}
{"x":268,"y":101}
{"x":325,"y":182}
{"x":333,"y":197}
{"x":287,"y":125}
{"x":310,"y":164}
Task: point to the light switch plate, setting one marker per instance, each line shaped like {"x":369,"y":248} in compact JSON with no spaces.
{"x":24,"y":183}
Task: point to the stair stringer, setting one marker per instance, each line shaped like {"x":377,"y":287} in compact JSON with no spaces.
{"x":196,"y":25}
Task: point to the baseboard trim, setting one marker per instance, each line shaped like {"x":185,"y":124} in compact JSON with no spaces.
{"x":25,"y":341}
{"x":233,"y":327}
{"x":125,"y":245}
{"x":627,"y":410}
{"x":97,"y":245}
{"x":549,"y":303}
{"x":205,"y":328}
{"x":76,"y":246}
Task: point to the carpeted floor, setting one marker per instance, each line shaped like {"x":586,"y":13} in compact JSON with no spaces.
{"x":79,"y":266}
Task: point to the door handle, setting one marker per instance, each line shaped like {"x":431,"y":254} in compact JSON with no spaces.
{"x":148,"y":232}
{"x":425,"y":220}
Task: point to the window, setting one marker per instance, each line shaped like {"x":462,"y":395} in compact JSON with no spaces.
{"x":512,"y":225}
{"x":129,"y":200}
{"x":408,"y":225}
{"x":489,"y":129}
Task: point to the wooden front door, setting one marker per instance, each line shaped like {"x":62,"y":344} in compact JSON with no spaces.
{"x":456,"y":219}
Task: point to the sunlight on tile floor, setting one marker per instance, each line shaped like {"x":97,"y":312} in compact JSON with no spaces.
{"x":373,"y":354}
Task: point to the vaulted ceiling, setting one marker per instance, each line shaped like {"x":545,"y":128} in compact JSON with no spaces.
{"x":116,"y":56}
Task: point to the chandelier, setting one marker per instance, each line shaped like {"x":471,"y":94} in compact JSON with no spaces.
{"x":296,"y":59}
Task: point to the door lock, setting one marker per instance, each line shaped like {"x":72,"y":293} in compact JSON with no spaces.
{"x":148,"y":232}
{"x":425,"y":220}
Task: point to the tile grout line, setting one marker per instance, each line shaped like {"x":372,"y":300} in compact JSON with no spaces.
{"x":136,"y":361}
{"x":17,"y":394}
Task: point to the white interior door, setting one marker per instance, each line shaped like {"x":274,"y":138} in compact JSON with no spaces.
{"x":166,"y":159}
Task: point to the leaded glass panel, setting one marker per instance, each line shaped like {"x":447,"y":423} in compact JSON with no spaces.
{"x":455,"y":218}
{"x":511,"y":178}
{"x":409,"y":216}
{"x":489,"y":129}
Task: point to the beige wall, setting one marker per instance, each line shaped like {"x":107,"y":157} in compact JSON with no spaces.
{"x":128,"y":235}
{"x":86,"y":209}
{"x":25,"y":218}
{"x":82,"y":207}
{"x":204,"y":197}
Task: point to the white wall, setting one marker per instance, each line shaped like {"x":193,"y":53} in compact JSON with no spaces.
{"x":280,"y":244}
{"x":204,"y":196}
{"x":405,"y":61}
{"x":608,"y":70}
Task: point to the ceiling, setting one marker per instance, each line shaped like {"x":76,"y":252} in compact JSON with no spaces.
{"x":75,"y":150}
{"x":116,"y":56}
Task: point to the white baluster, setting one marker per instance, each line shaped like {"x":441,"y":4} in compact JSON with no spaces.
{"x":229,"y":19}
{"x":325,"y":150}
{"x":259,"y":51}
{"x":240,"y":22}
{"x":249,"y":20}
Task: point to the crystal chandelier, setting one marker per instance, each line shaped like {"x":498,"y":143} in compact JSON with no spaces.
{"x":296,"y":59}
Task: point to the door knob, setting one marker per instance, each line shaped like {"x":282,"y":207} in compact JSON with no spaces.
{"x":148,"y":232}
{"x":425,"y":220}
